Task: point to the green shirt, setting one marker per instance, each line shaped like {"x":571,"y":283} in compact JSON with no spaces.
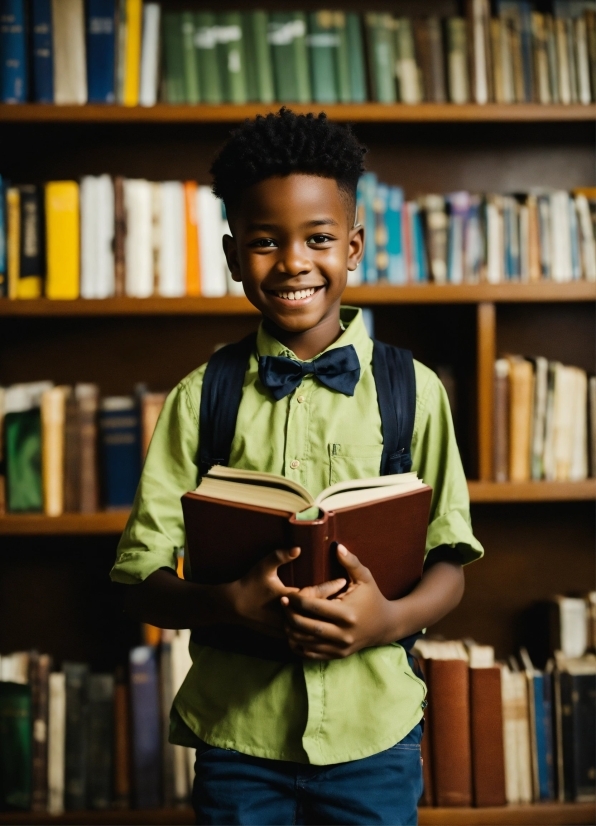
{"x":309,"y":712}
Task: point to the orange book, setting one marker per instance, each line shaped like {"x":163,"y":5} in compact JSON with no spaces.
{"x":193,"y":275}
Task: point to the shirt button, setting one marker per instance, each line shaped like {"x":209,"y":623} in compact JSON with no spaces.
{"x":294,"y":464}
{"x":300,"y":399}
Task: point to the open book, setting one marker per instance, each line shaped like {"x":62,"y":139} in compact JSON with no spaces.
{"x":236,"y":517}
{"x":249,"y":487}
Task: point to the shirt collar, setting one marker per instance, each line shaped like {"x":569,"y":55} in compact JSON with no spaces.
{"x":355,"y":333}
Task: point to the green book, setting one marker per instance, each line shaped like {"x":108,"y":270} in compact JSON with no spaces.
{"x":342,"y":59}
{"x":206,"y":49}
{"x":380,"y":34}
{"x":358,"y":92}
{"x":408,"y":82}
{"x":22,"y":438}
{"x":173,"y":58}
{"x":230,"y":57}
{"x":15,"y":746}
{"x":323,"y":46}
{"x":287,"y":37}
{"x":259,"y":67}
{"x":191,"y":74}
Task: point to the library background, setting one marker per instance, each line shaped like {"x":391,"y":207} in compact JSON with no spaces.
{"x":480,"y":212}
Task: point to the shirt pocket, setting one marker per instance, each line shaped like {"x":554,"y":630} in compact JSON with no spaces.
{"x":353,"y":462}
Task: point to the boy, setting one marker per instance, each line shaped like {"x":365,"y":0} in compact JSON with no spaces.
{"x":328,"y":732}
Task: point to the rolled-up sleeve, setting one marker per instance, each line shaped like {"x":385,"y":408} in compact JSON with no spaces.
{"x":155,"y":528}
{"x":436,"y":459}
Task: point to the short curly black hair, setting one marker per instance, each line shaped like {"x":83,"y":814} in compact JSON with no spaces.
{"x":282,"y":143}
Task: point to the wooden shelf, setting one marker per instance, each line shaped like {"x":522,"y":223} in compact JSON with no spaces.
{"x":542,"y":814}
{"x":494,"y":492}
{"x":361,"y":112}
{"x":367,"y":295}
{"x":113,"y":522}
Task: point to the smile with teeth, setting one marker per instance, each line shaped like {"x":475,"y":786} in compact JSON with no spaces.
{"x":295,"y":295}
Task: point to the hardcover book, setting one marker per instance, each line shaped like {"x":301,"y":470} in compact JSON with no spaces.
{"x":246,"y":515}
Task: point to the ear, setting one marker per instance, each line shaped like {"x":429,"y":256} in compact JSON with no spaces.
{"x":231,"y":253}
{"x":356,"y":246}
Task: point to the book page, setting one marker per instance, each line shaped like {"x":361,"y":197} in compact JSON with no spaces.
{"x":350,"y":498}
{"x":251,"y":494}
{"x":260,"y":478}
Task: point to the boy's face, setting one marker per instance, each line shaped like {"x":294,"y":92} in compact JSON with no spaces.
{"x":293,"y":245}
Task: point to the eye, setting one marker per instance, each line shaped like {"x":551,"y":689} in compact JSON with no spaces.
{"x":262,"y":243}
{"x":320,"y":238}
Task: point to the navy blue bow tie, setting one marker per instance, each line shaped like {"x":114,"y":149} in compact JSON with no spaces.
{"x":338,"y":369}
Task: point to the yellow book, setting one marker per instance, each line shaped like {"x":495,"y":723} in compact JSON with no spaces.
{"x":132,"y":60}
{"x":13,"y":239}
{"x":62,"y":239}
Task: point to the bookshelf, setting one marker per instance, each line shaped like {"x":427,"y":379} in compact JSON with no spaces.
{"x":538,"y":536}
{"x":361,"y":113}
{"x":552,"y":814}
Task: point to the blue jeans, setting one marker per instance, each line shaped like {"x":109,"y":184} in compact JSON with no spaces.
{"x":232,"y":788}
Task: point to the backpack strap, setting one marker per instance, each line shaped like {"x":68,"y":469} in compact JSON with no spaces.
{"x":395,"y":380}
{"x":220,"y":399}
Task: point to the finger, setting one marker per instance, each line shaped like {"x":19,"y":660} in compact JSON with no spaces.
{"x":281,"y":556}
{"x":325,"y":589}
{"x":334,"y":610}
{"x":312,"y":628}
{"x":357,"y":571}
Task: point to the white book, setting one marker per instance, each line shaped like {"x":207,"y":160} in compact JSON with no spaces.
{"x":516,"y":737}
{"x":183,"y":761}
{"x":582,"y":61}
{"x":68,"y":35}
{"x":524,"y":243}
{"x":573,"y":626}
{"x":564,"y":414}
{"x":156,"y":233}
{"x":560,"y":237}
{"x":15,"y":668}
{"x":563,"y":60}
{"x":578,"y":469}
{"x":494,"y":240}
{"x":213,"y":275}
{"x":97,"y":236}
{"x":53,"y":419}
{"x":506,"y":64}
{"x":150,"y":55}
{"x":139,"y":262}
{"x":480,"y":23}
{"x":172,"y":259}
{"x":56,"y":742}
{"x":586,"y":234}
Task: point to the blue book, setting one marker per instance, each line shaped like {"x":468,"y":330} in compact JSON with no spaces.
{"x":120,"y":450}
{"x":146,"y":757}
{"x":419,"y":250}
{"x":395,"y":248}
{"x":367,"y":189}
{"x":43,"y":58}
{"x":101,"y":50}
{"x":540,"y":736}
{"x":13,"y":52}
{"x":459,"y":203}
{"x":3,"y":273}
{"x":380,"y":203}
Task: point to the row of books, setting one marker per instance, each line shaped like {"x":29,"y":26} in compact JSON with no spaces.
{"x":544,"y":421}
{"x":495,"y":732}
{"x":66,"y":450}
{"x":74,"y":740}
{"x":468,"y":238}
{"x":506,"y":732}
{"x":112,"y":237}
{"x":128,"y":52}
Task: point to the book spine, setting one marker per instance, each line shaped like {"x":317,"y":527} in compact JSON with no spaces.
{"x":380,"y":203}
{"x":132,"y":57}
{"x":87,"y":397}
{"x":250,"y":57}
{"x":29,"y":284}
{"x":62,"y":239}
{"x":144,"y":689}
{"x":3,"y":267}
{"x":451,"y":750}
{"x":39,"y":672}
{"x":193,"y":273}
{"x":101,"y":730}
{"x":43,"y":68}
{"x":317,"y":562}
{"x":13,"y":52}
{"x":166,"y":700}
{"x":120,"y":448}
{"x":379,"y":30}
{"x":173,"y":58}
{"x":342,"y":59}
{"x":323,"y":45}
{"x":357,"y":64}
{"x":396,"y":273}
{"x":150,"y":55}
{"x":101,"y":51}
{"x":56,"y":742}
{"x":192,"y":92}
{"x":488,"y":766}
{"x":457,"y":62}
{"x":230,"y":50}
{"x":15,"y":746}
{"x":70,"y":69}
{"x":206,"y":46}
{"x":259,"y":23}
{"x":22,"y":444}
{"x":13,"y":239}
{"x":122,"y":751}
{"x":76,"y":743}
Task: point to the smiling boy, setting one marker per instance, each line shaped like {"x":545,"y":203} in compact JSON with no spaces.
{"x":320,"y":720}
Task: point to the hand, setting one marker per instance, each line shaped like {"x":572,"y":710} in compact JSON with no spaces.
{"x":322,"y":629}
{"x":253,"y":600}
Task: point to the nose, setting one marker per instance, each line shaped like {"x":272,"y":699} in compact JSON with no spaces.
{"x":294,"y":259}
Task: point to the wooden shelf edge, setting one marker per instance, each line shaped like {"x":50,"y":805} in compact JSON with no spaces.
{"x":359,"y":112}
{"x":540,"y":814}
{"x":495,"y":492}
{"x":374,"y":295}
{"x":113,"y":522}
